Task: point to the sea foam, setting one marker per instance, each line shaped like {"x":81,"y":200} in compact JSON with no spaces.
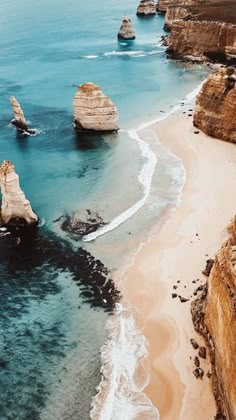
{"x":146,"y":174}
{"x":120,"y":393}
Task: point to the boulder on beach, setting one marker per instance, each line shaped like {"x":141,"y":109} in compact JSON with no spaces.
{"x":146,"y":8}
{"x":14,"y":203}
{"x":19,"y":120}
{"x":94,"y":111}
{"x":126,"y":30}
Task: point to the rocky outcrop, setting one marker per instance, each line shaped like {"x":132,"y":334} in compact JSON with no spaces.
{"x":126,"y":30}
{"x":146,"y":8}
{"x":200,"y":10}
{"x":14,"y":203}
{"x":214,"y":316}
{"x":162,"y":5}
{"x":215,"y":108}
{"x":19,"y":120}
{"x":93,"y":111}
{"x":203,"y":40}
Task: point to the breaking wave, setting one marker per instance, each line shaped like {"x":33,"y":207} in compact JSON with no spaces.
{"x":146,"y":174}
{"x":120,"y":393}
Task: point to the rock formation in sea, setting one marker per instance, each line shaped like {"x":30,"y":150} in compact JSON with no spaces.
{"x":215,"y":110}
{"x":146,"y":8}
{"x":14,"y":203}
{"x":93,"y":111}
{"x":205,"y":30}
{"x":126,"y":30}
{"x":214,"y":316}
{"x":19,"y":120}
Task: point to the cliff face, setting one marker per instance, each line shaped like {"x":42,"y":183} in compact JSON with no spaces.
{"x":215,"y":108}
{"x":200,"y":10}
{"x":162,"y":5}
{"x":203,"y":39}
{"x":126,"y":30}
{"x":93,"y":111}
{"x":146,"y":8}
{"x":220,"y":320}
{"x":214,"y":316}
{"x":14,"y":203}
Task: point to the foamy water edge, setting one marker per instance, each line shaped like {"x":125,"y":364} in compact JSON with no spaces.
{"x":119,"y":395}
{"x":146,"y":174}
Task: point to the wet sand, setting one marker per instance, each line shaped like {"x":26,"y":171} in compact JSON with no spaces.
{"x":175,"y":256}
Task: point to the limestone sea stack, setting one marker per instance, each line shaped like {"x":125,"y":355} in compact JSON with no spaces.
{"x":214,"y":316}
{"x":19,"y":120}
{"x":215,"y":111}
{"x":14,"y":203}
{"x":126,"y":30}
{"x":93,"y":111}
{"x":146,"y":8}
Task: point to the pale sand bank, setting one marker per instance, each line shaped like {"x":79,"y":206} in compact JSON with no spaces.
{"x":177,"y":253}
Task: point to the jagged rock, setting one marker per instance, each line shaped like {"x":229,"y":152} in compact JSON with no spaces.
{"x":216,"y":105}
{"x":196,"y":361}
{"x":146,"y":8}
{"x":202,"y":352}
{"x":198,"y":372}
{"x":209,"y":265}
{"x":215,"y":318}
{"x":126,"y":30}
{"x":93,"y":111}
{"x":14,"y":203}
{"x":194,"y":343}
{"x":82,"y":223}
{"x":19,"y":120}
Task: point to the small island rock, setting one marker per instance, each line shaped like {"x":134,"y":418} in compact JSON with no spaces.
{"x":19,"y":120}
{"x":126,"y":30}
{"x":14,"y":203}
{"x":93,"y":111}
{"x":146,"y":8}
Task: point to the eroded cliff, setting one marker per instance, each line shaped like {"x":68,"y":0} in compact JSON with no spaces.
{"x":14,"y":203}
{"x":214,"y":316}
{"x":94,"y":111}
{"x":215,"y":108}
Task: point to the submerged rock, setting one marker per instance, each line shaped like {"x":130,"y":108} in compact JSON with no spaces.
{"x":19,"y":120}
{"x":14,"y":203}
{"x":146,"y":8}
{"x":93,"y":111}
{"x":82,"y":224}
{"x":126,"y":30}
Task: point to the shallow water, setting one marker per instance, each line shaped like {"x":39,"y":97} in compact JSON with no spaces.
{"x":54,"y":303}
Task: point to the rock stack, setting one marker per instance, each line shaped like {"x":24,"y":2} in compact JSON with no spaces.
{"x":19,"y":120}
{"x":14,"y":203}
{"x":216,"y":105}
{"x":146,"y":8}
{"x":126,"y":30}
{"x":93,"y":111}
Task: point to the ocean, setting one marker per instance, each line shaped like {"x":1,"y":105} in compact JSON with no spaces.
{"x":59,"y":301}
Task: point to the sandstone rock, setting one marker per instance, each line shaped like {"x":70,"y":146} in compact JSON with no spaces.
{"x":19,"y":120}
{"x":126,"y":30}
{"x":162,"y":5}
{"x":194,"y":343}
{"x":14,"y":203}
{"x":146,"y":8}
{"x":218,"y":325}
{"x":203,"y":40}
{"x":202,"y":352}
{"x":209,"y":265}
{"x":216,"y":105}
{"x":93,"y":111}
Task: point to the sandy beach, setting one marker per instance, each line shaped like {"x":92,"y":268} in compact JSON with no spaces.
{"x":192,"y":233}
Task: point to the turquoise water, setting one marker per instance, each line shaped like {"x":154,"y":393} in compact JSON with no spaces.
{"x":54,"y":301}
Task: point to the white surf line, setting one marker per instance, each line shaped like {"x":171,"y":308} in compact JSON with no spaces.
{"x":146,"y":174}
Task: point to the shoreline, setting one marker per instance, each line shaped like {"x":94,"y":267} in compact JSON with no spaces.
{"x":178,"y":252}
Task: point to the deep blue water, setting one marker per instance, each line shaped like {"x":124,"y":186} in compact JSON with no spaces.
{"x":53,"y":315}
